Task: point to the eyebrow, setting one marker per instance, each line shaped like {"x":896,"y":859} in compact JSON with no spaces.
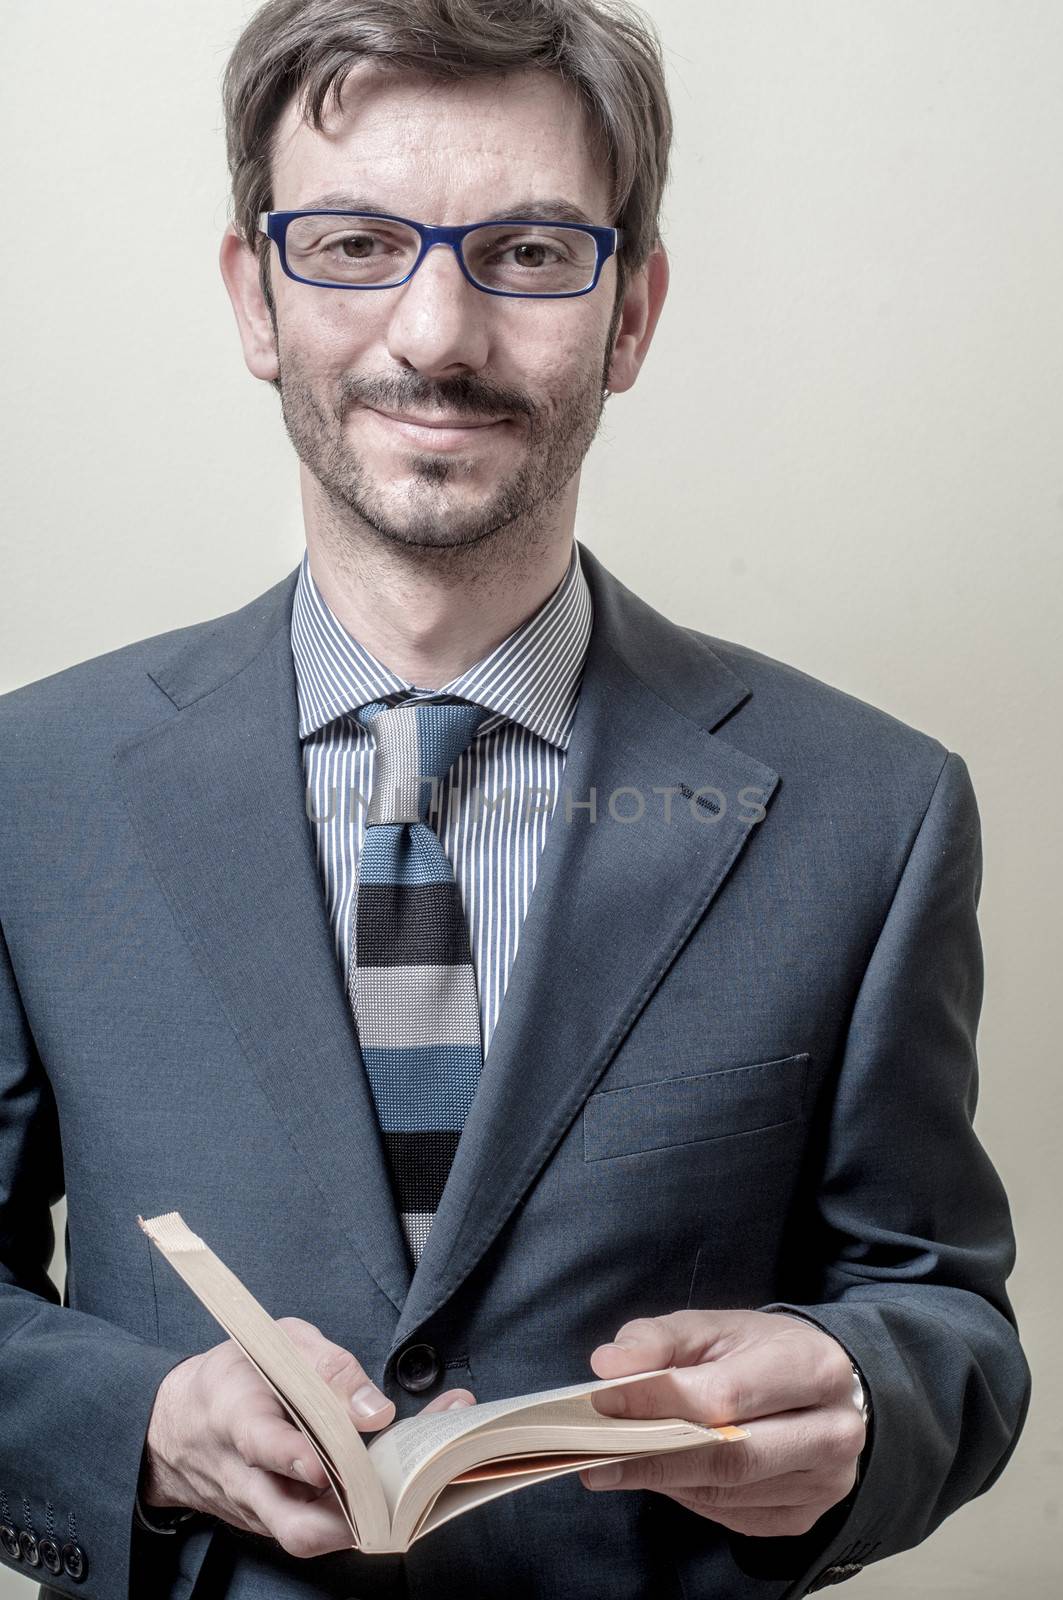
{"x":534,"y":210}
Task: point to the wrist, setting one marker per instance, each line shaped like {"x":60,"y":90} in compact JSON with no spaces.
{"x":160,"y":1486}
{"x":155,"y":1514}
{"x":157,"y":1489}
{"x":160,"y":1519}
{"x":860,"y":1396}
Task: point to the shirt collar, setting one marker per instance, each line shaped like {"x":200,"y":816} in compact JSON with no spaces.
{"x":531,"y":677}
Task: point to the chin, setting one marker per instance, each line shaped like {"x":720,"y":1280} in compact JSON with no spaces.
{"x":436,"y":529}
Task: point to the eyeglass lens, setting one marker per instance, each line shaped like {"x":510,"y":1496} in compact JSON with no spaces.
{"x":372,"y":252}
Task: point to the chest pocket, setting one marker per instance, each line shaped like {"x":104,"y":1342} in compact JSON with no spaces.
{"x":666,"y":1112}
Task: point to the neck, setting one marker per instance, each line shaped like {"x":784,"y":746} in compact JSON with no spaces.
{"x":426,"y":612}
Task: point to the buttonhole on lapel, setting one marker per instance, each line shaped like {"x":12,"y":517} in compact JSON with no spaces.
{"x":701,"y":800}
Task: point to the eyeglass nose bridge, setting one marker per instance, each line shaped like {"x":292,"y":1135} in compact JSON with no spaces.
{"x":433,"y":236}
{"x":453,"y":237}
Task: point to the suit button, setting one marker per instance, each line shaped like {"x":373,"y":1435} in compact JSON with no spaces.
{"x":74,"y":1560}
{"x":418,"y":1367}
{"x":9,"y":1541}
{"x":49,"y":1552}
{"x":833,"y":1575}
{"x":31,"y":1554}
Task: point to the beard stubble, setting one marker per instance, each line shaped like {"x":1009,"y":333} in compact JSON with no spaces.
{"x":557,"y":432}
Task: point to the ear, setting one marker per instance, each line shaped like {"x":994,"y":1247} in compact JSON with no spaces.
{"x":239,"y":268}
{"x":642,"y":306}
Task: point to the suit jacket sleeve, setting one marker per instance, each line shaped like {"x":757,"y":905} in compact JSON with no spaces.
{"x":77,"y":1392}
{"x":908,"y":1226}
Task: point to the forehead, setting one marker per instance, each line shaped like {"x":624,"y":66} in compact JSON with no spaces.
{"x":444,"y":150}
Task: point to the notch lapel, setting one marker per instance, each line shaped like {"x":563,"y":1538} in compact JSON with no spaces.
{"x":612,"y":905}
{"x":217,"y":797}
{"x":216,"y":793}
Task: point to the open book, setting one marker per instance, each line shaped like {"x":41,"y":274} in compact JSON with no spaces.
{"x":417,"y":1474}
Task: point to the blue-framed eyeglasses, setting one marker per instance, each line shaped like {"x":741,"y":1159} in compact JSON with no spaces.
{"x":516,"y":257}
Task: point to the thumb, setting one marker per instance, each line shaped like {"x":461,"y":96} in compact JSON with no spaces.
{"x":680,"y":1339}
{"x":369,"y":1408}
{"x":450,"y":1400}
{"x":642,"y":1345}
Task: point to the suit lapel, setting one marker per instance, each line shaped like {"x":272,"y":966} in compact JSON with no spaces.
{"x":612,"y":904}
{"x":216,"y":793}
{"x":217,"y":796}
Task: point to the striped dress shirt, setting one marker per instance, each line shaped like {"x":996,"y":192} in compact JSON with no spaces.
{"x":492,"y":814}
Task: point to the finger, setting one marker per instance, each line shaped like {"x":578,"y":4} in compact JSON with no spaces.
{"x":763,"y":1522}
{"x":780,"y":1372}
{"x":682,"y":1472}
{"x":821,"y":1441}
{"x":681,"y":1339}
{"x":276,"y":1446}
{"x":451,"y":1400}
{"x":342,"y":1371}
{"x":269,"y":1441}
{"x":301,"y":1527}
{"x":793,"y":1489}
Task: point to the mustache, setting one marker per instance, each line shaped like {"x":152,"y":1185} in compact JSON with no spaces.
{"x":466,"y":394}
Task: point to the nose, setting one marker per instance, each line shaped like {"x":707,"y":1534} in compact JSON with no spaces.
{"x":439,"y":322}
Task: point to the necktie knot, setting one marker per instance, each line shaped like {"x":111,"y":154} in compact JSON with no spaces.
{"x":416,"y":744}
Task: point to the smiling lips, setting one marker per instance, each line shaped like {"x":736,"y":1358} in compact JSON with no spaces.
{"x":440,"y":432}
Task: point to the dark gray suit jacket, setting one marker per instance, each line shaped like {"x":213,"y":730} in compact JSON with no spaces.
{"x":735,"y":1067}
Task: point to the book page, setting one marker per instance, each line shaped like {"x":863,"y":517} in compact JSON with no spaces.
{"x":466,"y":1494}
{"x":523,"y":1452}
{"x":399,"y":1452}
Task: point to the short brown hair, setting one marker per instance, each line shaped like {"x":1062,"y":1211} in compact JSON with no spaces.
{"x":607,"y":49}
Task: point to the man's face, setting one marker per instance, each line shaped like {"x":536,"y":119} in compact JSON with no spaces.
{"x":527,"y":375}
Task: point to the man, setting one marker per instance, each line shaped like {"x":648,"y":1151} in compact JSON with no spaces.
{"x":645,"y":1040}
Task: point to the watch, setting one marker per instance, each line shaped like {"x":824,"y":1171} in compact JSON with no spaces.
{"x":860,"y":1400}
{"x":160,"y":1519}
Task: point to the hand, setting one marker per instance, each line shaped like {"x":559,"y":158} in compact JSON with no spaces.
{"x":788,"y":1382}
{"x":220,"y":1441}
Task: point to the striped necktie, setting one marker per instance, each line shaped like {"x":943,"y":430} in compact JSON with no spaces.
{"x":411,"y":981}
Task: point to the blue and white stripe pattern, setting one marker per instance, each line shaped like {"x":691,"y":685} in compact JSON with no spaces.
{"x":492,"y":815}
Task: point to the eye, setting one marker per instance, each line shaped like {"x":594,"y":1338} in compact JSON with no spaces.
{"x":357,"y":245}
{"x":535,"y":258}
{"x":530,"y":253}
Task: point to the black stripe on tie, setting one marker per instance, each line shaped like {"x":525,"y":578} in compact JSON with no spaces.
{"x":420,"y":1163}
{"x":410,"y":924}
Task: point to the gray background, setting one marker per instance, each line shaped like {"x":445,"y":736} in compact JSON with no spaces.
{"x":844,"y":450}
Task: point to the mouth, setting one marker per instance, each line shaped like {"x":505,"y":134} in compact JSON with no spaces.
{"x":437,"y":431}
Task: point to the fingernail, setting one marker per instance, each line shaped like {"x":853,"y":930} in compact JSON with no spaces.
{"x":457,"y":1405}
{"x":300,"y":1471}
{"x":605,"y":1477}
{"x":368,"y":1400}
{"x":624,"y":1342}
